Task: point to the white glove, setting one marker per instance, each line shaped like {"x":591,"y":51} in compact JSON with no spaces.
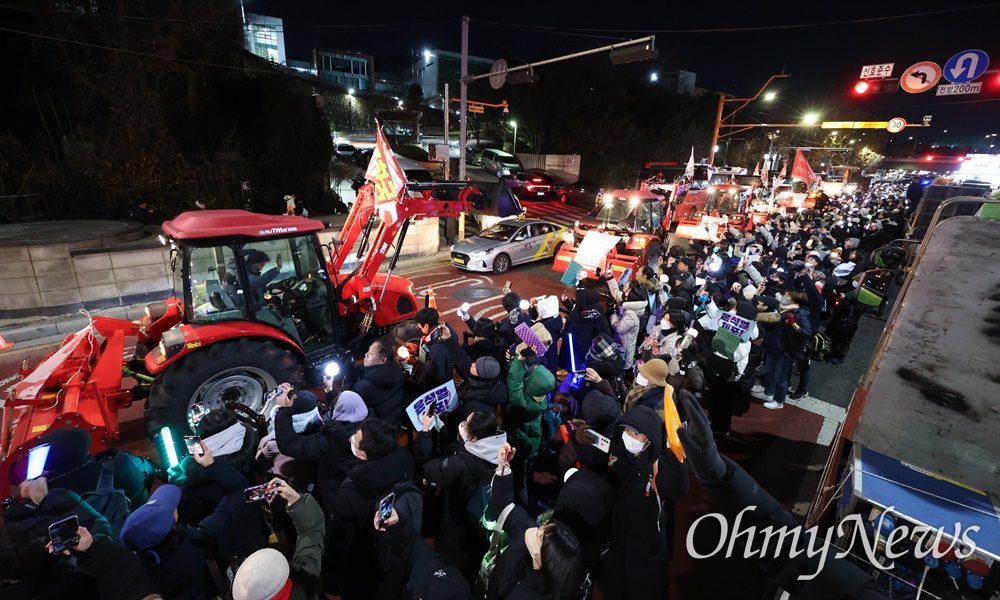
{"x":462,"y":314}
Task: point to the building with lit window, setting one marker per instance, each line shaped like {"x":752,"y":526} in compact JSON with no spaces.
{"x":264,"y":36}
{"x":353,"y":71}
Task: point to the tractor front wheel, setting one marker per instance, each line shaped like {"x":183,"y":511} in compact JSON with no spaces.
{"x":239,"y":371}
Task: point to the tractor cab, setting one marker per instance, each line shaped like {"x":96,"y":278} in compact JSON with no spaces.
{"x":625,"y":212}
{"x":259,"y":268}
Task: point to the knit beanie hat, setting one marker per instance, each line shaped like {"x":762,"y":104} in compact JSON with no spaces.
{"x":261,"y":576}
{"x":305,"y":409}
{"x":600,"y":411}
{"x":487,"y":367}
{"x":350,"y":408}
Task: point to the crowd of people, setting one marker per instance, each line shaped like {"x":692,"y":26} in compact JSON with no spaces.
{"x":551,"y":477}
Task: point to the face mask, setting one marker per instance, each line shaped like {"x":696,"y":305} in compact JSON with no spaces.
{"x":641,"y":381}
{"x":664,"y":278}
{"x":354,"y":446}
{"x":633,"y":445}
{"x":463,"y":432}
{"x":811,"y":264}
{"x":703,"y":298}
{"x":785,"y":300}
{"x":749,"y":292}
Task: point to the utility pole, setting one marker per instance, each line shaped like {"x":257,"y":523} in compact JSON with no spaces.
{"x":447,"y":158}
{"x":462,"y":115}
{"x":719,"y":118}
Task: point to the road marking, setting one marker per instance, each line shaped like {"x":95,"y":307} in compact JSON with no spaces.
{"x":424,"y":287}
{"x":482,"y":313}
{"x":471,"y":304}
{"x":832,"y":415}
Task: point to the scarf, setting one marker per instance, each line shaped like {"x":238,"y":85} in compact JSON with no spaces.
{"x":301,"y":421}
{"x":636,"y":393}
{"x":226,"y":441}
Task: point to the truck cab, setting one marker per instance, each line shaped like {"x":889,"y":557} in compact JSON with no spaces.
{"x":624,"y":212}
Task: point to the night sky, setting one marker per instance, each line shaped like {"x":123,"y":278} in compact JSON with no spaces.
{"x":823,"y":50}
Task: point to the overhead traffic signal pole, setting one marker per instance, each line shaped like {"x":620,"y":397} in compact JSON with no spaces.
{"x":719,"y":119}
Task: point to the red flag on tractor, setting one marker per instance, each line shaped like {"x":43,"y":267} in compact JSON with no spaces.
{"x":387,"y":177}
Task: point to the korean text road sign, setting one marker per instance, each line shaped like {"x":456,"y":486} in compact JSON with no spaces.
{"x":959,"y":88}
{"x":920,"y":77}
{"x":877,"y":71}
{"x":966,"y":66}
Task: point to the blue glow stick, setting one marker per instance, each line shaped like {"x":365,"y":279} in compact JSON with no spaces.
{"x":572,"y":357}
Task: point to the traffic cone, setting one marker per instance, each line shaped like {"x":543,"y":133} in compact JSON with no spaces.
{"x":5,"y":345}
{"x":431,"y":300}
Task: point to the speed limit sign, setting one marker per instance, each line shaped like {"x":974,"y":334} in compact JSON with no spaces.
{"x":896,"y":125}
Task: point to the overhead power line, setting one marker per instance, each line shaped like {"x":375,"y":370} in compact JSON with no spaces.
{"x":555,"y":29}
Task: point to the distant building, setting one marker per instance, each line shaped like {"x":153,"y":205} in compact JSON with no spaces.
{"x":351,"y":70}
{"x":302,"y":66}
{"x":679,"y":82}
{"x":264,"y":36}
{"x":436,"y":67}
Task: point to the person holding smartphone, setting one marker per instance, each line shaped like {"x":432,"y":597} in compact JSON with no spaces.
{"x":267,"y":573}
{"x":54,"y":505}
{"x":175,"y":553}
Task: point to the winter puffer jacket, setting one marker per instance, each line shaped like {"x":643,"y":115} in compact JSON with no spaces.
{"x":626,"y":329}
{"x":636,"y":564}
{"x":527,"y":391}
{"x":381,"y":387}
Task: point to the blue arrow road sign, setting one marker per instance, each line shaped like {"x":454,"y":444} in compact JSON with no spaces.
{"x":966,"y":66}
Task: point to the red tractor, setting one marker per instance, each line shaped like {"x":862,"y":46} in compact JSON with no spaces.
{"x":258,"y":301}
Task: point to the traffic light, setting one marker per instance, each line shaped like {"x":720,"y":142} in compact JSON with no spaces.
{"x":644,"y":50}
{"x":875,"y":86}
{"x":523,"y":76}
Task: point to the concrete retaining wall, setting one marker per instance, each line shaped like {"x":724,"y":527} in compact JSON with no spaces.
{"x":52,"y":279}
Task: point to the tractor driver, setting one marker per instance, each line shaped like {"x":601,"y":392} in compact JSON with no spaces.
{"x":257,"y":277}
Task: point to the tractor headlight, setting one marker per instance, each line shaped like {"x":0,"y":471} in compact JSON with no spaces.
{"x":170,"y":344}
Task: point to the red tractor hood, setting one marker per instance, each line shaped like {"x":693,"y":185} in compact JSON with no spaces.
{"x":207,"y":224}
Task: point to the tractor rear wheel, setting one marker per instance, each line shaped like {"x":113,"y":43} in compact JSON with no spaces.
{"x":235,"y":371}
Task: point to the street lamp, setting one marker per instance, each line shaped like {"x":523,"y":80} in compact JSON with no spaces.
{"x":769,"y":96}
{"x":427,"y":55}
{"x":514,"y":149}
{"x":654,"y":77}
{"x":810,"y":118}
{"x":350,"y":92}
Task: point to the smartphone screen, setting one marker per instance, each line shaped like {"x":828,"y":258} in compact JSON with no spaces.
{"x":600,"y":442}
{"x":268,"y":397}
{"x":259,"y":492}
{"x":36,"y":460}
{"x":385,"y":508}
{"x":65,"y":534}
{"x":193,"y":444}
{"x":198,"y":412}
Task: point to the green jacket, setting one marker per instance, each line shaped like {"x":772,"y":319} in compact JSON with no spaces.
{"x":528,"y":399}
{"x":310,"y":527}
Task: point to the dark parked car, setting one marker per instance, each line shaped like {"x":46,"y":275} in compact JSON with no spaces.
{"x":344,"y":150}
{"x":583,"y":193}
{"x":533,"y":185}
{"x":362,"y":156}
{"x":500,"y":163}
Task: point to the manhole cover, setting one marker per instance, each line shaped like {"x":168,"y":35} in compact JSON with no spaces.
{"x":476,"y":293}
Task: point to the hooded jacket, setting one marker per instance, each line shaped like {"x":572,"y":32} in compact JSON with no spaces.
{"x":527,"y":391}
{"x":478,"y":393}
{"x":636,"y":564}
{"x":381,"y":387}
{"x":626,"y":329}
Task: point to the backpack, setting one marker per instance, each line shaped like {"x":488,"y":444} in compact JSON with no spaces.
{"x":477,"y":506}
{"x":819,"y":346}
{"x":409,"y":501}
{"x":110,"y":502}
